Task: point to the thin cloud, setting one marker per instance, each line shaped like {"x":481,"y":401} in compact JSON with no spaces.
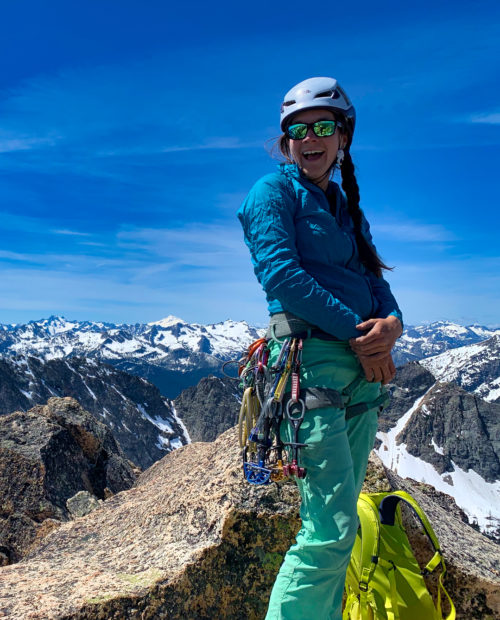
{"x":12,"y":145}
{"x":74,"y":233}
{"x":491,"y":118}
{"x":412,"y":231}
{"x":222,"y":143}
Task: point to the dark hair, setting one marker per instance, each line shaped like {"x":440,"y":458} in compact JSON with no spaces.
{"x":367,"y":253}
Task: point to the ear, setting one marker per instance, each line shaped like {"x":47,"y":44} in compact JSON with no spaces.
{"x":343,"y":141}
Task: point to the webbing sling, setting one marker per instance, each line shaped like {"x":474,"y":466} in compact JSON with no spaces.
{"x":319,"y":397}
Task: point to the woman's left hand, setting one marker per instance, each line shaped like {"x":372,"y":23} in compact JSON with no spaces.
{"x":380,"y":339}
{"x":380,"y":371}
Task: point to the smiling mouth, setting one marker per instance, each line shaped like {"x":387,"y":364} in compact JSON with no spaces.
{"x":312,"y":155}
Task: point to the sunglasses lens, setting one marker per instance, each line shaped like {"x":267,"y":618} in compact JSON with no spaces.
{"x":297,"y":131}
{"x":324,"y":128}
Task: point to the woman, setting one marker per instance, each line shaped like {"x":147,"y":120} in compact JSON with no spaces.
{"x":313,"y":254}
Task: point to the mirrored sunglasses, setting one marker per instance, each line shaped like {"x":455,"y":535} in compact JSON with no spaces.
{"x":322,"y":129}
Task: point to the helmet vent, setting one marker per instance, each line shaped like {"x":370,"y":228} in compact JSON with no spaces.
{"x":327,"y":93}
{"x":287,"y":103}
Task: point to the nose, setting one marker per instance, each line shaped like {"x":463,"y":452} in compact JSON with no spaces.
{"x":310,"y":133}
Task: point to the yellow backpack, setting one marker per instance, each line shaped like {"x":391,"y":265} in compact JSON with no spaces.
{"x":384,"y":580}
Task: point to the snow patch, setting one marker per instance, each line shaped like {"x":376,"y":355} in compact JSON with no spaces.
{"x":437,"y":448}
{"x":479,"y":499}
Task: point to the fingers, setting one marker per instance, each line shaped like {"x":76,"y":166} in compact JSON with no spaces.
{"x":366,"y":324}
{"x":371,"y":348}
{"x":381,"y":370}
{"x":378,"y":373}
{"x":389,"y":371}
{"x":378,"y":356}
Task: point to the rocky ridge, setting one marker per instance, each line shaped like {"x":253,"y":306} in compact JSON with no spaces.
{"x":421,"y":341}
{"x":47,"y":455}
{"x":442,"y":435}
{"x":141,"y":419}
{"x":193,"y":540}
{"x":174,"y":354}
{"x":209,"y":408}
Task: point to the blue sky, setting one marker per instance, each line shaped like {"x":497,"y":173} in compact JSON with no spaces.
{"x":130,"y":133}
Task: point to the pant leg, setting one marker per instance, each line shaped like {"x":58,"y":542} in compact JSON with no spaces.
{"x":311,"y":579}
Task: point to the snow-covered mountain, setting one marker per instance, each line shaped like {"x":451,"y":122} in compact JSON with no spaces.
{"x":475,"y":367}
{"x":440,"y":434}
{"x":175,"y":355}
{"x":427,"y":340}
{"x":170,"y":353}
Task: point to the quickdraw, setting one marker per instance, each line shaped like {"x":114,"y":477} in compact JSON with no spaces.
{"x":266,"y":458}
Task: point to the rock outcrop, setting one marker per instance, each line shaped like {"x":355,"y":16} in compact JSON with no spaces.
{"x":47,"y":455}
{"x":193,"y":541}
{"x":411,"y":382}
{"x":452,"y":427}
{"x":209,"y":408}
{"x":140,"y":418}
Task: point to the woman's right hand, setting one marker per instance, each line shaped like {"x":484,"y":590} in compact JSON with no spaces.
{"x":378,"y":370}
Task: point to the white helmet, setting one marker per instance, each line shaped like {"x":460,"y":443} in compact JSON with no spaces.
{"x":318,"y":92}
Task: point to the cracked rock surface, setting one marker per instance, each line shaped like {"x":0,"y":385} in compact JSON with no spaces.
{"x":191,"y":540}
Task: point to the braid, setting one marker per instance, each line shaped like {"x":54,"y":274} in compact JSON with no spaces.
{"x":367,"y":253}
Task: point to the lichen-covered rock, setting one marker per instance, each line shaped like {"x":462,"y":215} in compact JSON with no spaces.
{"x":47,"y":455}
{"x":193,"y":541}
{"x":81,"y":504}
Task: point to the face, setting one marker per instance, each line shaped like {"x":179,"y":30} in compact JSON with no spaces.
{"x":316,"y":155}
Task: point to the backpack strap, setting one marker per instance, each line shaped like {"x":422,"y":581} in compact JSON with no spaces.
{"x":370,"y":544}
{"x":387,"y":512}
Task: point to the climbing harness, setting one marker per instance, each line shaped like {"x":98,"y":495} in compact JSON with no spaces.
{"x":266,"y":403}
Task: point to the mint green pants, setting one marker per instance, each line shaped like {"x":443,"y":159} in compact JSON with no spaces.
{"x":311,"y":579}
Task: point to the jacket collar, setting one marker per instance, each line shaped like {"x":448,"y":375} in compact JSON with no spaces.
{"x":292,"y":171}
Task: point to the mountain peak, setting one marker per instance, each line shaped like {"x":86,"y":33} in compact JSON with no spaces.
{"x":169,"y":321}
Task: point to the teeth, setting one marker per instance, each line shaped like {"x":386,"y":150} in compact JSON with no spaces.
{"x":311,"y":152}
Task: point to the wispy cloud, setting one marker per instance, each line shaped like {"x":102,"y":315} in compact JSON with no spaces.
{"x":412,"y":231}
{"x":73,"y":233}
{"x":486,"y":118}
{"x":11,"y":145}
{"x":222,"y":143}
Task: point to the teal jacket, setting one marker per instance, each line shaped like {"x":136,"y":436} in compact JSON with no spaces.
{"x":306,"y":259}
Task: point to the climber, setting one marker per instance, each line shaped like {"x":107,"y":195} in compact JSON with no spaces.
{"x":313,"y":254}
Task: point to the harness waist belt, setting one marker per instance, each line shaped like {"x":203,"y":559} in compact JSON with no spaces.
{"x":286,"y":324}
